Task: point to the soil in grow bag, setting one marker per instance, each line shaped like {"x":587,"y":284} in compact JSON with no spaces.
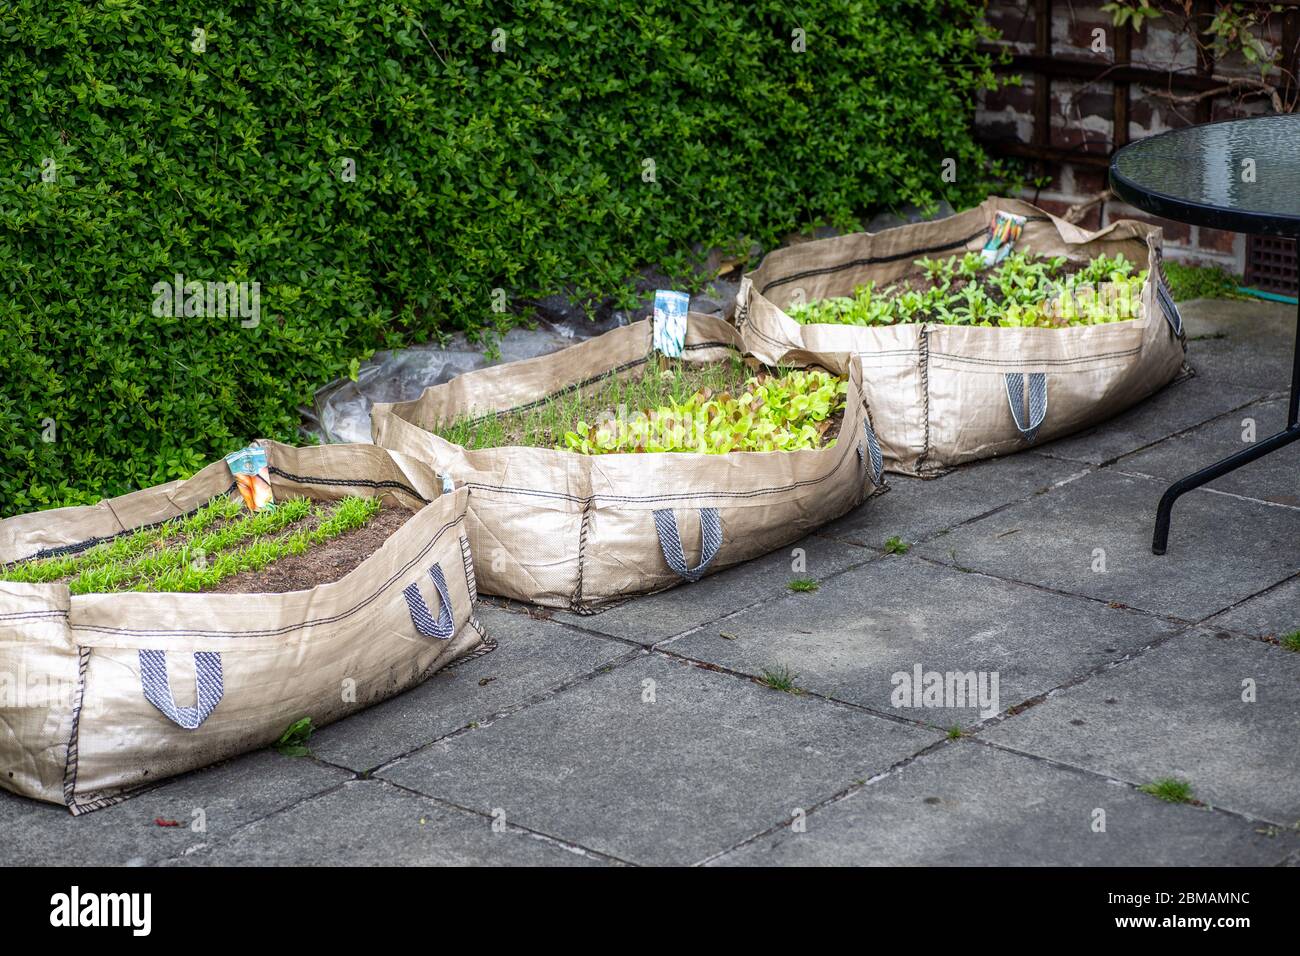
{"x":1024,"y":290}
{"x":222,"y":547}
{"x":673,"y":406}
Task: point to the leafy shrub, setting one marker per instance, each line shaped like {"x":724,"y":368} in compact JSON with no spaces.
{"x":212,"y":140}
{"x":1022,"y":291}
{"x":1202,"y":282}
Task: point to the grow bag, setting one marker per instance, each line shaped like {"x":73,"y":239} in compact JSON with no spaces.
{"x":947,"y":394}
{"x":108,"y":693}
{"x":577,"y":531}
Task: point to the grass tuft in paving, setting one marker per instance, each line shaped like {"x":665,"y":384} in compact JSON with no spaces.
{"x":1170,"y":790}
{"x":780,"y":678}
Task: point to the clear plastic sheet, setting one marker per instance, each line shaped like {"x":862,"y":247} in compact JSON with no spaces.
{"x":341,"y":410}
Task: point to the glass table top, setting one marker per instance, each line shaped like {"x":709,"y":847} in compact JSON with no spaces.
{"x":1242,"y":174}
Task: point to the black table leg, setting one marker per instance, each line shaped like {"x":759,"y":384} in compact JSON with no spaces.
{"x":1233,"y":462}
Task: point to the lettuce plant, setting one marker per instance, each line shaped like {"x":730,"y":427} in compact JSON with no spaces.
{"x":1022,"y":291}
{"x":787,"y":412}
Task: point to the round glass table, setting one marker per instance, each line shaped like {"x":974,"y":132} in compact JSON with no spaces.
{"x":1243,"y":176}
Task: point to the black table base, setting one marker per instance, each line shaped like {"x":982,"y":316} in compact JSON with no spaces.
{"x":1240,"y":175}
{"x":1283,"y":438}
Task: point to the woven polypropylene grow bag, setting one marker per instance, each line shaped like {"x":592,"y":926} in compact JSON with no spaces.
{"x":947,"y":394}
{"x":577,"y":531}
{"x":109,"y":693}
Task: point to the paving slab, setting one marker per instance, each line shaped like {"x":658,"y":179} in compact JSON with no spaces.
{"x":1221,"y":549}
{"x":1246,"y":343}
{"x":220,"y":799}
{"x":1176,"y":407}
{"x":531,"y":656}
{"x":657,"y":617}
{"x":969,"y":805}
{"x":1274,"y":478}
{"x":369,"y":823}
{"x":713,"y":760}
{"x":1272,"y":614}
{"x":915,"y":509}
{"x":863,"y":634}
{"x":1178,"y":711}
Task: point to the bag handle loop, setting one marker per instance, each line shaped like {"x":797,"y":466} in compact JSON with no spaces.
{"x":873,"y":449}
{"x":1015,"y":386}
{"x":670,"y":541}
{"x":157,"y":688}
{"x":441,"y":628}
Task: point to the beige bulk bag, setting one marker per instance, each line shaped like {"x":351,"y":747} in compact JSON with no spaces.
{"x":947,"y":394}
{"x":94,"y":704}
{"x":575,"y":531}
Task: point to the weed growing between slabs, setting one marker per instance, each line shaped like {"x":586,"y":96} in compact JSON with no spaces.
{"x":709,"y":408}
{"x":223,"y":544}
{"x":1022,"y":291}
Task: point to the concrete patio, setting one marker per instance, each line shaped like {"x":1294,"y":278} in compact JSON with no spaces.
{"x":642,"y":735}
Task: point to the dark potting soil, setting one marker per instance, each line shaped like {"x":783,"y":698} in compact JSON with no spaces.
{"x":322,"y":563}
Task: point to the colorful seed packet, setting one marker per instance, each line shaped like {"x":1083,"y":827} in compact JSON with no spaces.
{"x":670,"y":321}
{"x":252,"y":476}
{"x":1003,"y":233}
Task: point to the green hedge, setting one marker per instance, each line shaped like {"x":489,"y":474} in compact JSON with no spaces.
{"x":475,"y":170}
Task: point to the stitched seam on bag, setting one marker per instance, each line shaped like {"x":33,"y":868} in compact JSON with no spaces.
{"x":925,"y":396}
{"x":133,"y":632}
{"x":870,"y":261}
{"x":99,"y":803}
{"x":1022,"y":363}
{"x":347,"y":483}
{"x":894,"y":257}
{"x":31,"y":615}
{"x":763,"y":335}
{"x":91,"y":542}
{"x":468,"y":560}
{"x":74,"y":736}
{"x":591,"y":610}
{"x":785,"y":345}
{"x":486,"y":646}
{"x":576,"y":601}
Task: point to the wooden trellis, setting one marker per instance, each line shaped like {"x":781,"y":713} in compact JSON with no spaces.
{"x":1044,"y":65}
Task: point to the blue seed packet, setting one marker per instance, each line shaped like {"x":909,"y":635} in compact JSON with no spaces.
{"x":252,"y":476}
{"x":670,"y":321}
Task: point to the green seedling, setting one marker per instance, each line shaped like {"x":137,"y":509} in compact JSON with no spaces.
{"x":780,"y":678}
{"x":1022,"y":291}
{"x":897,"y":545}
{"x":191,"y":554}
{"x":125,"y":548}
{"x":293,"y":742}
{"x":674,"y":406}
{"x":1290,"y":641}
{"x":1169,"y":789}
{"x":803,"y":585}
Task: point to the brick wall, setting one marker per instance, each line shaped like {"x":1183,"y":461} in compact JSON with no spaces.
{"x":1080,"y":130}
